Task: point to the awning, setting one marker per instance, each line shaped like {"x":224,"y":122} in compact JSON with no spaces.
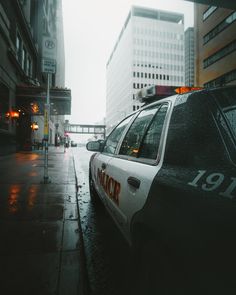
{"x":31,"y":100}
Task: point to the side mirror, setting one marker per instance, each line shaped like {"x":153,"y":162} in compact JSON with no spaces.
{"x":94,"y":146}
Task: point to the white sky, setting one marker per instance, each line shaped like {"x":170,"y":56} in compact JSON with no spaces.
{"x":91,"y":29}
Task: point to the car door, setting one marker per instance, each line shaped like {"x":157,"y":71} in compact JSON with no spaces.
{"x":101,"y":160}
{"x":138,"y":161}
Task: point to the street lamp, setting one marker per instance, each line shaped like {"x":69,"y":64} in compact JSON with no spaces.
{"x":12,"y":114}
{"x":34,"y":126}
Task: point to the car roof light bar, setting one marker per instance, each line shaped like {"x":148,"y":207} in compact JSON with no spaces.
{"x":154,"y":93}
{"x":185,"y":89}
{"x":157,"y":92}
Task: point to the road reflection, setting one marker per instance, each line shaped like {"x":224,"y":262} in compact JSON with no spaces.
{"x":31,"y":198}
{"x":13,"y":198}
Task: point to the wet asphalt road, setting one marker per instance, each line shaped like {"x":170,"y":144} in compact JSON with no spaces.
{"x":40,"y":249}
{"x":107,"y":254}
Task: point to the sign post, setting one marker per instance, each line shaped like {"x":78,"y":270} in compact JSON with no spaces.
{"x":46,"y":130}
{"x":48,"y":67}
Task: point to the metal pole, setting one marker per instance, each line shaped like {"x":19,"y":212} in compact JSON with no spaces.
{"x":46,"y":131}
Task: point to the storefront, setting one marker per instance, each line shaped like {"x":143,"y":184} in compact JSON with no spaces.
{"x":30,"y":102}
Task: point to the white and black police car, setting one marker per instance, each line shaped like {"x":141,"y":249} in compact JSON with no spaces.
{"x":167,"y":176}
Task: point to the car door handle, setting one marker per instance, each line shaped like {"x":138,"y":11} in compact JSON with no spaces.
{"x":135,"y":182}
{"x":104,"y":166}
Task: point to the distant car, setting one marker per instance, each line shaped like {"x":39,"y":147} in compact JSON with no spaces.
{"x":167,"y":176}
{"x":73,"y":144}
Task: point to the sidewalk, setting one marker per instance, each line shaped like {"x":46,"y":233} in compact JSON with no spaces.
{"x":39,"y":225}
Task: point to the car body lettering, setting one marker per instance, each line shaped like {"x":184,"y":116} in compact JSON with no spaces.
{"x":214,"y":181}
{"x":117,"y":192}
{"x":110,"y":186}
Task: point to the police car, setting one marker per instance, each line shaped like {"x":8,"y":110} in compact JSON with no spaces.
{"x":167,"y":172}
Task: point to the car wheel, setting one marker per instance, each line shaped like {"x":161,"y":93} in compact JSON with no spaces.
{"x":93,"y":193}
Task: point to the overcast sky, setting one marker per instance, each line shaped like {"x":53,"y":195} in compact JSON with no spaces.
{"x":91,"y":29}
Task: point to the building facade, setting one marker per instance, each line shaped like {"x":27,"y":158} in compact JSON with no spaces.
{"x":149,"y":51}
{"x":23,"y":23}
{"x":215,"y":30}
{"x":189,"y":56}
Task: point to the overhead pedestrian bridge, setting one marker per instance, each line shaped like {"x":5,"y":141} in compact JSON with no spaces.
{"x":85,"y":129}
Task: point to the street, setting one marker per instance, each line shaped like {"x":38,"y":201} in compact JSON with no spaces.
{"x":56,"y":241}
{"x":117,"y":147}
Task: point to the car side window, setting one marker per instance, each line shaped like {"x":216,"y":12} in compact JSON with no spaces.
{"x":150,"y":145}
{"x":132,"y":140}
{"x":141,"y":139}
{"x":114,"y":136}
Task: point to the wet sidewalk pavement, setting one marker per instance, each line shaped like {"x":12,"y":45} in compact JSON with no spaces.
{"x":39,"y":225}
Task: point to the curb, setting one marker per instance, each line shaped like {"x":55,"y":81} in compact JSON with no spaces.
{"x":84,"y":281}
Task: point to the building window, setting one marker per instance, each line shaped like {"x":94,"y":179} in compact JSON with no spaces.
{"x":208,"y":12}
{"x":4,"y":103}
{"x":23,"y":64}
{"x":133,"y":74}
{"x":133,"y":108}
{"x":29,"y":67}
{"x":220,"y":27}
{"x":18,"y":47}
{"x":134,"y":86}
{"x":222,"y":80}
{"x":219,"y":54}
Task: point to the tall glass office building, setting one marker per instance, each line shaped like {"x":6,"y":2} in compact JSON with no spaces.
{"x":149,"y":51}
{"x":189,"y":57}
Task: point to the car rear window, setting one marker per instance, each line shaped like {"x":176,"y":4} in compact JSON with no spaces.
{"x":226,"y":99}
{"x":193,"y":136}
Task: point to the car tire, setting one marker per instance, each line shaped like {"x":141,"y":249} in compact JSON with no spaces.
{"x":93,"y":193}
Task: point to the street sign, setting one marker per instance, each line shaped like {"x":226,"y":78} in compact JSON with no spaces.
{"x":49,"y":66}
{"x":49,"y":55}
{"x":49,"y":48}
